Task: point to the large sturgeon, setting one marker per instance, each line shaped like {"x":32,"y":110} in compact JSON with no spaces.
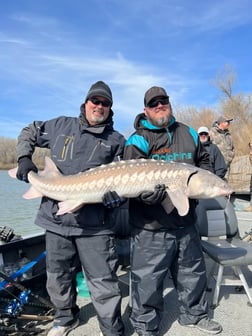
{"x":129,"y":179}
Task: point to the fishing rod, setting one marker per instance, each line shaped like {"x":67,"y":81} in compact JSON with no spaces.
{"x":21,"y":330}
{"x":23,"y":269}
{"x":15,"y":307}
{"x":20,"y":272}
{"x":29,"y":303}
{"x":31,"y":317}
{"x":10,"y":279}
{"x":21,"y":287}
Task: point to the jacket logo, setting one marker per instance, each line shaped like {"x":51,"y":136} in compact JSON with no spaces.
{"x":172,"y":156}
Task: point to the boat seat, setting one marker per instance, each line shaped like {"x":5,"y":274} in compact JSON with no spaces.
{"x":221,"y":242}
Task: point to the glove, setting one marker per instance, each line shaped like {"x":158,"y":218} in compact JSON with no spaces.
{"x":154,"y":197}
{"x":25,"y":165}
{"x":112,"y":200}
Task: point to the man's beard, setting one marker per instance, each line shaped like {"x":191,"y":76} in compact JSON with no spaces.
{"x":160,"y":122}
{"x":98,"y":120}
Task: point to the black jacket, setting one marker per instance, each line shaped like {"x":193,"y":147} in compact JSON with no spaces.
{"x":216,"y":158}
{"x":75,"y":147}
{"x":178,"y":142}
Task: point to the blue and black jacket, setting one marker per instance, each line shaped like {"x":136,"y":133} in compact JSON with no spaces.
{"x":177,"y":142}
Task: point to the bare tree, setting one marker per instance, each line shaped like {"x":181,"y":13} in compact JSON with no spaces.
{"x":225,"y":80}
{"x":237,"y":106}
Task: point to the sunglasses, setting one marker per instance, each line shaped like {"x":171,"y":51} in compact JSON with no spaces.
{"x":203,"y":133}
{"x":96,"y":101}
{"x":156,"y":101}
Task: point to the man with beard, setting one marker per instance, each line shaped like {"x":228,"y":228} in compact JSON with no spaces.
{"x":162,"y":241}
{"x":87,"y":234}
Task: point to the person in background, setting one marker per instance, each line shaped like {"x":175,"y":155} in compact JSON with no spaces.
{"x":221,"y":136}
{"x":163,"y":242}
{"x":77,"y":144}
{"x":216,"y":158}
{"x":249,"y":208}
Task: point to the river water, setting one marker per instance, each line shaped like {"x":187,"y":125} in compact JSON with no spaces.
{"x":15,"y":211}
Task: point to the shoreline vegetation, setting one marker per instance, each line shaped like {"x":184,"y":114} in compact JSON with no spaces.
{"x":8,"y":158}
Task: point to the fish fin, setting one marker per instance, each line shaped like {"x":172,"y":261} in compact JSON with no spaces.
{"x":32,"y":193}
{"x":68,"y":206}
{"x":13,"y":172}
{"x":179,"y":200}
{"x":50,"y":168}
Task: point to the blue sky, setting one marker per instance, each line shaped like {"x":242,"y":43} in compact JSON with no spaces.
{"x":51,"y":51}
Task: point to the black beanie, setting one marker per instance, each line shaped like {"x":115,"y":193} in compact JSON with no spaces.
{"x":100,"y":89}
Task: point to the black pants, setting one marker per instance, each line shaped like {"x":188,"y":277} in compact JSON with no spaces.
{"x":152,"y":255}
{"x":98,"y":259}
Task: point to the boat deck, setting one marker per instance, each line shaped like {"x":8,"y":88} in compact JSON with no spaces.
{"x":233,"y":312}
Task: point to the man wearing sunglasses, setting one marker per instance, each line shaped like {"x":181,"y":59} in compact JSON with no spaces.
{"x":76,"y":145}
{"x":162,"y":242}
{"x":216,"y":158}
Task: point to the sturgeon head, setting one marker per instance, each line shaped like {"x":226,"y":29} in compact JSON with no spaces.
{"x":205,"y":184}
{"x":195,"y":183}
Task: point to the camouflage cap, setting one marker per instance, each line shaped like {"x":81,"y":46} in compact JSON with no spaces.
{"x":223,"y":119}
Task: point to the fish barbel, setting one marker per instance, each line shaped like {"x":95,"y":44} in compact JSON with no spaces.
{"x":129,"y":179}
